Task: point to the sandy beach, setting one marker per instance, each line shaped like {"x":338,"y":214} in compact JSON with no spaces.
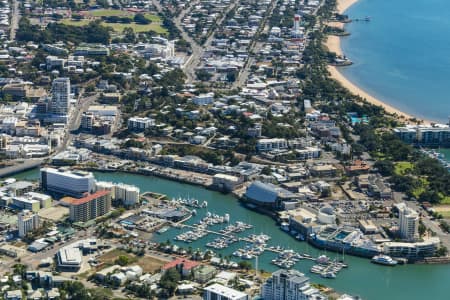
{"x":333,"y":43}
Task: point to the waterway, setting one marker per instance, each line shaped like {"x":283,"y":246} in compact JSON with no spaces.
{"x":361,"y":278}
{"x":401,"y":55}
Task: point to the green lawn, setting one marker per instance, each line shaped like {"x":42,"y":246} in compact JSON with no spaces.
{"x":445,"y":200}
{"x":153,"y":18}
{"x":119,"y":27}
{"x":121,"y":13}
{"x":402,"y":166}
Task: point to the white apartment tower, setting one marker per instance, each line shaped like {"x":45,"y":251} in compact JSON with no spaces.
{"x":296,"y":23}
{"x":60,"y":96}
{"x":289,"y":285}
{"x":27,"y":221}
{"x":408,"y":222}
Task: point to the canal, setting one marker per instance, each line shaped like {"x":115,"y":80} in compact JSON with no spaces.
{"x":361,"y":278}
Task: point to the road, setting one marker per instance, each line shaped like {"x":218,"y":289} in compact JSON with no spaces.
{"x":26,"y":165}
{"x":197,"y":50}
{"x":15,"y":17}
{"x":254,"y":48}
{"x":75,"y":119}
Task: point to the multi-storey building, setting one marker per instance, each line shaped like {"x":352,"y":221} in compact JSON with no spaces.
{"x":220,"y":292}
{"x":89,"y":207}
{"x":289,"y":285}
{"x":127,"y":194}
{"x":408,"y":222}
{"x":27,"y":221}
{"x":69,"y":183}
{"x":271,"y":144}
{"x":60,"y":102}
{"x":140,"y":124}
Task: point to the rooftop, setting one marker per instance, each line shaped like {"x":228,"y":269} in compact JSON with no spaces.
{"x":90,"y":197}
{"x":225,"y":291}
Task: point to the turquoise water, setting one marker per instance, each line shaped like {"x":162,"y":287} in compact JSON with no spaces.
{"x":446,"y":153}
{"x":402,"y":55}
{"x":361,"y":278}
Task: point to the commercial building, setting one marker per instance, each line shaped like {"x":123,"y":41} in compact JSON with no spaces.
{"x":26,"y":204}
{"x":226,"y":182}
{"x":89,"y":207}
{"x":267,"y":194}
{"x":19,"y":188}
{"x":140,"y":124}
{"x":220,"y":292}
{"x":69,"y":258}
{"x":408,"y":222}
{"x":60,"y":101}
{"x":65,"y":182}
{"x":412,"y":251}
{"x":45,"y":201}
{"x":27,"y":221}
{"x":289,"y":285}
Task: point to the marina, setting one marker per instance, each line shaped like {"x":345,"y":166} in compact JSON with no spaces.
{"x":407,"y":279}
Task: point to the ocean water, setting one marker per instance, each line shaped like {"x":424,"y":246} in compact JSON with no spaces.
{"x":402,"y":55}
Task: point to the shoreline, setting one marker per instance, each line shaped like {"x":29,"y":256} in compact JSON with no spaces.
{"x":333,"y":43}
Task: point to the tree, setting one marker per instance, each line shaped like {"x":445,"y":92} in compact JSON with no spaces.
{"x":129,"y":36}
{"x":122,"y":260}
{"x":385,"y":167}
{"x":203,"y":75}
{"x":442,"y":251}
{"x":422,"y":229}
{"x":20,"y":269}
{"x":141,"y":19}
{"x":266,"y":170}
{"x":245,"y":265}
{"x":169,"y":281}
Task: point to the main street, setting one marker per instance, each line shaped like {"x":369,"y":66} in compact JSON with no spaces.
{"x":15,"y":17}
{"x":197,"y":50}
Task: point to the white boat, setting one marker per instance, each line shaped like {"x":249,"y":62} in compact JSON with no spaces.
{"x":328,"y":275}
{"x":323,"y":259}
{"x":285,"y":226}
{"x":384,"y":260}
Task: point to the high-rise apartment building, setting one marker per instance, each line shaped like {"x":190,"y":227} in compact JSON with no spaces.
{"x":90,"y":207}
{"x":408,"y":222}
{"x":60,"y":102}
{"x":289,"y":285}
{"x":27,"y":221}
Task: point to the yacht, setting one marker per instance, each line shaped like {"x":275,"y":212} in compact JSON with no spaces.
{"x":384,"y":260}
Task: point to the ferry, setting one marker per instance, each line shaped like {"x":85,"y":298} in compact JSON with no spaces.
{"x":384,"y":260}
